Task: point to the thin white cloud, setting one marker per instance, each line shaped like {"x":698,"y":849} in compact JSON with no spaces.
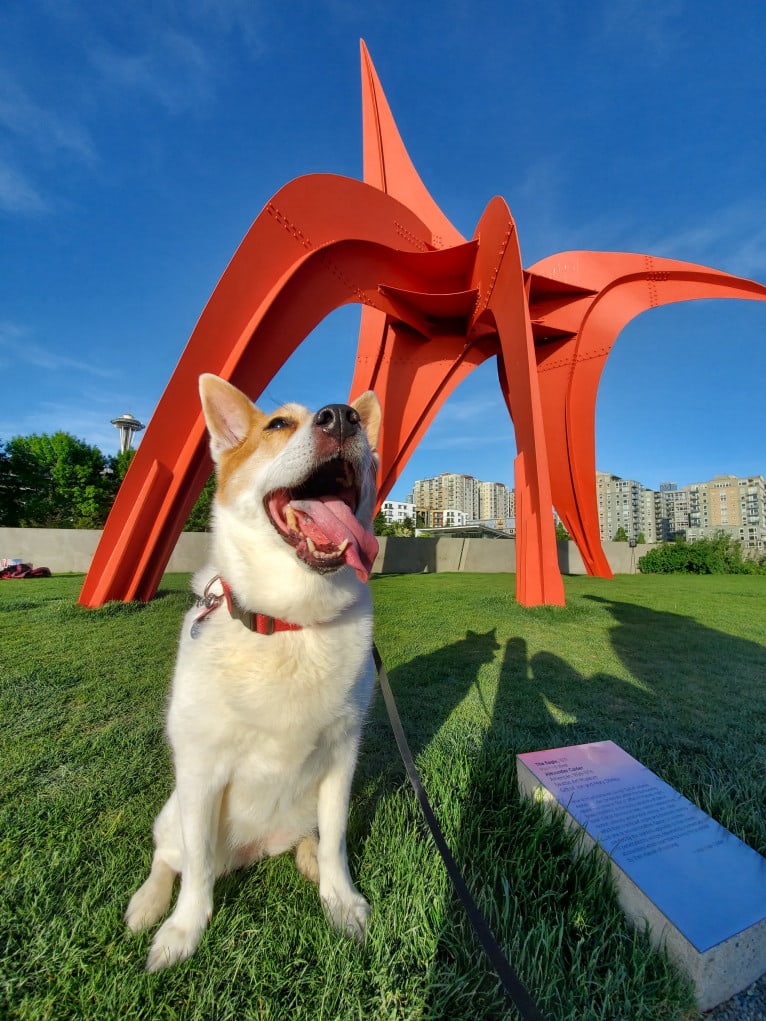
{"x":15,"y":340}
{"x":731,"y":238}
{"x":165,"y":55}
{"x":247,"y":19}
{"x":477,"y":408}
{"x":49,"y":417}
{"x":85,"y":408}
{"x":477,"y":421}
{"x":18,"y":194}
{"x":171,"y":70}
{"x":463,"y":441}
{"x":41,"y":127}
{"x":38,"y":139}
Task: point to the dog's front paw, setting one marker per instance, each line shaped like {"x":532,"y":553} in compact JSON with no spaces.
{"x":348,"y":914}
{"x":174,"y":942}
{"x":150,"y":901}
{"x":144,"y":909}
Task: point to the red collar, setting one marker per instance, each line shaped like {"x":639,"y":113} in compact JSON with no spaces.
{"x":260,"y":623}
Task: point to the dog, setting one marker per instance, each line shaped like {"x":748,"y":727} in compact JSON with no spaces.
{"x":274,"y":671}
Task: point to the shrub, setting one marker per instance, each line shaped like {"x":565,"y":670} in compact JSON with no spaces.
{"x":722,"y":555}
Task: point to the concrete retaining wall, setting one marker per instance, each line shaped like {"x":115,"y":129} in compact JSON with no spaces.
{"x":491,"y":556}
{"x":66,"y":550}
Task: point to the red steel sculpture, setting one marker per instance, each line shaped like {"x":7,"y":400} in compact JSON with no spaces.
{"x":435,"y":305}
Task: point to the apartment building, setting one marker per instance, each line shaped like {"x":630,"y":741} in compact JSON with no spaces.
{"x":427,"y":494}
{"x":461,"y":492}
{"x":447,"y":518}
{"x":727,"y":503}
{"x":732,"y":504}
{"x":671,"y":511}
{"x":625,"y":504}
{"x":448,"y":492}
{"x":496,"y":501}
{"x":396,"y":511}
{"x":463,"y":498}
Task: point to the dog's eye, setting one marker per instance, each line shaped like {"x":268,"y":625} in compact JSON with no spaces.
{"x":279,"y":423}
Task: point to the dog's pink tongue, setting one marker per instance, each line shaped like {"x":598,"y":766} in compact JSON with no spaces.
{"x":330,"y":520}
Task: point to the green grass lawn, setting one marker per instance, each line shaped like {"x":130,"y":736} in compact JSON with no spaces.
{"x":671,"y":668}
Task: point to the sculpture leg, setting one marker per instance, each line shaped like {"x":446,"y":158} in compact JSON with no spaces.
{"x":573,"y":491}
{"x":502,"y":304}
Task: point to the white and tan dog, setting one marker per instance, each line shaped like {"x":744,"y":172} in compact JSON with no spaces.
{"x":274,"y":673}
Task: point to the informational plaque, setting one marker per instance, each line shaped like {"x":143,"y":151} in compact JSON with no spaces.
{"x":700,"y":888}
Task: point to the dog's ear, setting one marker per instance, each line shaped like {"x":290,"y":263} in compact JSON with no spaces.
{"x":368,"y":406}
{"x":229,"y":414}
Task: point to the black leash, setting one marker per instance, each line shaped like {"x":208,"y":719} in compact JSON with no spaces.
{"x":512,"y":984}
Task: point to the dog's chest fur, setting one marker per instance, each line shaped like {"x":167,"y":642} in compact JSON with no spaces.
{"x":234,"y":686}
{"x":269,"y":712}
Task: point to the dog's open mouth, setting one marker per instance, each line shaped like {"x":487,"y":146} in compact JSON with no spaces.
{"x":317,"y":518}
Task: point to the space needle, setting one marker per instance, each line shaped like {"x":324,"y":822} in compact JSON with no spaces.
{"x":127,"y":426}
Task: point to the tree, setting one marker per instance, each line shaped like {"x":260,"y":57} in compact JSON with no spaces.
{"x":379,"y":524}
{"x":9,"y":495}
{"x":640,"y":539}
{"x":56,"y":481}
{"x":406,"y":527}
{"x":119,"y":465}
{"x":199,"y":519}
{"x":620,"y":535}
{"x":561,"y":533}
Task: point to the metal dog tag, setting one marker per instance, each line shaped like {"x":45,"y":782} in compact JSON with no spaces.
{"x":211,"y":601}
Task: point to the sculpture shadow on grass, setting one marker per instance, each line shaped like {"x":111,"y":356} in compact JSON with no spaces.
{"x":696,"y":656}
{"x":656,"y":709}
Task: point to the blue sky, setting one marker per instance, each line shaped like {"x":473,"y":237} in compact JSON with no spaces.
{"x":138,"y":142}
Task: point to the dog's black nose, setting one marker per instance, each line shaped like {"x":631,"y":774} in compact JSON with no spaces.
{"x":337,"y":420}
